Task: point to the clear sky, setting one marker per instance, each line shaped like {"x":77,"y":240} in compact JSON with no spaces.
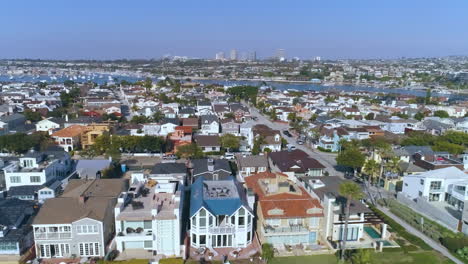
{"x":104,"y":29}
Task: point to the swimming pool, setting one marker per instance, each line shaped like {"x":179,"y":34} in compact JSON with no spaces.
{"x":372,"y":232}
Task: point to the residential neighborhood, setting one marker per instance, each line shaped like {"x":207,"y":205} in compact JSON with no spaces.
{"x":174,"y":169}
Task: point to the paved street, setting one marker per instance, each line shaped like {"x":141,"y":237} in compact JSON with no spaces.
{"x":327,"y":159}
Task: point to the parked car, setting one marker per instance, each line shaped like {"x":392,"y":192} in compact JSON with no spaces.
{"x":169,"y":156}
{"x":291,"y":147}
{"x":286,"y":132}
{"x":228,"y":156}
{"x":300,"y":142}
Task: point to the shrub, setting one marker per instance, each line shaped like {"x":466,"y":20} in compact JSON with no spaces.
{"x":454,"y":243}
{"x":400,"y":230}
{"x":324,"y":149}
{"x":171,"y":261}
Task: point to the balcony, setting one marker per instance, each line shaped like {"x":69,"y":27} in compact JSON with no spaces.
{"x":136,"y":232}
{"x":285,"y":229}
{"x":57,"y":235}
{"x":222,"y":230}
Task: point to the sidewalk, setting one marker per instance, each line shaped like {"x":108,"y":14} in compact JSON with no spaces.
{"x":435,"y":245}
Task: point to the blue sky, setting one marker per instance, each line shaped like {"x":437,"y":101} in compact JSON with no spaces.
{"x":105,"y":29}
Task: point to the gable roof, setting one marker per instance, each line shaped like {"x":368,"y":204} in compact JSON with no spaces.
{"x":207,"y":140}
{"x":286,"y":160}
{"x":217,"y":205}
{"x":81,"y":199}
{"x":169,"y":168}
{"x":208,"y":119}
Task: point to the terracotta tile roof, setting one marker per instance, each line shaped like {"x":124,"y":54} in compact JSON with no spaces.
{"x":185,"y":129}
{"x":293,"y":205}
{"x":71,"y":131}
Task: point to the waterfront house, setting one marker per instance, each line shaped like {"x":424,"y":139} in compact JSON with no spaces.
{"x":80,"y":222}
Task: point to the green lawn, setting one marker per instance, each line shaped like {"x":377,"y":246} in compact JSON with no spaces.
{"x":325,"y":259}
{"x":425,"y":257}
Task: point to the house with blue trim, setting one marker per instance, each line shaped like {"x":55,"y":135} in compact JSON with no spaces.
{"x":221,"y":214}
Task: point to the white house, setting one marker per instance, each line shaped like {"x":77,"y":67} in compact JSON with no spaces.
{"x":220,"y":215}
{"x":151,"y":220}
{"x":47,"y":125}
{"x":209,"y":125}
{"x":37,"y":169}
{"x":448,"y":184}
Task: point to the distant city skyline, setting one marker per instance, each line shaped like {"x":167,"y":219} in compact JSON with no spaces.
{"x":107,"y":29}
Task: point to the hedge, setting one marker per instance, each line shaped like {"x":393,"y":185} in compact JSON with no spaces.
{"x":171,"y":261}
{"x":401,"y":230}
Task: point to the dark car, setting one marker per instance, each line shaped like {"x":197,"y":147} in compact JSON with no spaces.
{"x":287,"y":133}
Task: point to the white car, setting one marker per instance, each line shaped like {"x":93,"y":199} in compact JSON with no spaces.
{"x":229,"y":156}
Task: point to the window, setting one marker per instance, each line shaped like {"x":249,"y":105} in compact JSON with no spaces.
{"x":241,"y":220}
{"x":148,"y":244}
{"x":314,"y":221}
{"x":202,"y":239}
{"x":194,"y":239}
{"x":249,"y":236}
{"x":273,"y":222}
{"x":436,"y":185}
{"x":421,"y":181}
{"x":89,"y":249}
{"x":147,"y":224}
{"x":15,"y":179}
{"x":54,"y":250}
{"x":87,"y":229}
{"x":35,"y":179}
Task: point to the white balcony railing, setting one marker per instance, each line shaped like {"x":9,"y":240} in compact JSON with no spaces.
{"x":53,"y":235}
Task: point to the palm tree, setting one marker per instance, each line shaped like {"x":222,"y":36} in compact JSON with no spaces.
{"x":350,"y":191}
{"x":372,"y":169}
{"x":393,"y":165}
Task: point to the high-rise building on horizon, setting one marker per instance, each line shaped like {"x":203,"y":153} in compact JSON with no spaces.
{"x":252,"y":56}
{"x":281,"y":54}
{"x":220,"y":55}
{"x":233,"y":54}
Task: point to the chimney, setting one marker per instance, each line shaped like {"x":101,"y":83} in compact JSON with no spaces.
{"x":210,"y":164}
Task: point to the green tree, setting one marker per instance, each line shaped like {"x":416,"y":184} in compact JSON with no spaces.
{"x":393,"y":165}
{"x":362,"y":256}
{"x":257,"y":146}
{"x":267,"y":252}
{"x":229,"y":115}
{"x":190,"y":151}
{"x":139,"y":119}
{"x":352,"y":158}
{"x":273,"y":115}
{"x":230,"y":142}
{"x":292,"y":117}
{"x":372,"y":169}
{"x":370,"y":116}
{"x":427,"y":99}
{"x":32,"y":116}
{"x":158,"y":116}
{"x":419,"y":116}
{"x":441,"y":114}
{"x":350,"y":191}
